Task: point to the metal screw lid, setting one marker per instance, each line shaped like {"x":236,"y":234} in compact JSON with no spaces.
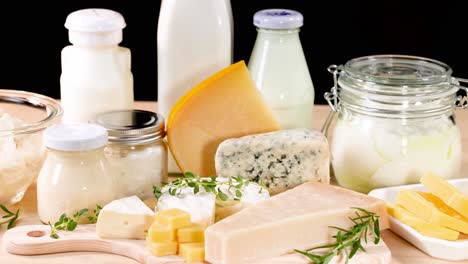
{"x":128,"y":127}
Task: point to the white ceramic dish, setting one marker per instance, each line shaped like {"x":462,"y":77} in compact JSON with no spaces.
{"x":437,"y":248}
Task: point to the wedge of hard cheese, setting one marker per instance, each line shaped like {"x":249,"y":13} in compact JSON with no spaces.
{"x":296,"y":219}
{"x":225,"y":105}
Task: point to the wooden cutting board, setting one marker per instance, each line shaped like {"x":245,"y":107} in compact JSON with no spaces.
{"x":35,"y":240}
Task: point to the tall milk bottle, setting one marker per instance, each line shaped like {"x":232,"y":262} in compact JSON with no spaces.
{"x":279,"y":68}
{"x":96,"y":75}
{"x":195,"y":40}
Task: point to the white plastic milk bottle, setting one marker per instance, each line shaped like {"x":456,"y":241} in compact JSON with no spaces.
{"x":195,"y":39}
{"x":96,"y":74}
{"x":279,"y":68}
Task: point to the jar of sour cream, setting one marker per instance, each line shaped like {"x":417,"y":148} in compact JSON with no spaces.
{"x":395,"y":121}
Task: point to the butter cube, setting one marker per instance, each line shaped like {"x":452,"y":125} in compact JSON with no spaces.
{"x":162,"y":249}
{"x":193,"y":233}
{"x":173,"y":218}
{"x":192,"y":252}
{"x":160,"y":233}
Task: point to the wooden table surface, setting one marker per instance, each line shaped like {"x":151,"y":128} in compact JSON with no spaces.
{"x":402,"y":252}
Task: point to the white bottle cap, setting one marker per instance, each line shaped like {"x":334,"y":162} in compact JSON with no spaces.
{"x":278,"y":19}
{"x":95,"y":27}
{"x":75,"y":137}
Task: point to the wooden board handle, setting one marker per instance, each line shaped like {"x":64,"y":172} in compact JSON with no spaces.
{"x":35,"y":240}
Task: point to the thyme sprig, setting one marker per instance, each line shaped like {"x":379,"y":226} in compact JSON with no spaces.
{"x":9,"y":217}
{"x":348,"y":242}
{"x":208,"y":184}
{"x":70,"y":223}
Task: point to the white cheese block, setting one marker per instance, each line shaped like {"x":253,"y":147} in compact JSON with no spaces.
{"x":205,"y":208}
{"x":128,"y":217}
{"x":281,"y":160}
{"x":296,"y":219}
{"x":201,"y":206}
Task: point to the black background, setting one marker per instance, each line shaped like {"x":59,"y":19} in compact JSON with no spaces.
{"x":31,"y":37}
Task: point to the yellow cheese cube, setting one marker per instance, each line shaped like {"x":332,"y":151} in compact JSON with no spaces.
{"x":173,"y":218}
{"x":162,"y":249}
{"x":416,"y":204}
{"x":192,"y":252}
{"x":160,"y":233}
{"x":444,"y":208}
{"x":420,"y":225}
{"x":447,"y":193}
{"x":225,"y":105}
{"x":193,"y":233}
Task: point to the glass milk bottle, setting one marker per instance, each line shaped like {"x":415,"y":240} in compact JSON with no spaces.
{"x":279,"y":68}
{"x":194,"y":42}
{"x":96,"y":75}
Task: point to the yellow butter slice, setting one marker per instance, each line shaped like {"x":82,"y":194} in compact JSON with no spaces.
{"x":447,"y":193}
{"x":420,"y":225}
{"x":416,"y":204}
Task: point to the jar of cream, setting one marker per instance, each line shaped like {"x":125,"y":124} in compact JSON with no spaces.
{"x":75,"y":174}
{"x":136,"y":150}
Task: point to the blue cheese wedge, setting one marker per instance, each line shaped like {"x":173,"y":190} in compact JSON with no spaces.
{"x":280,"y":160}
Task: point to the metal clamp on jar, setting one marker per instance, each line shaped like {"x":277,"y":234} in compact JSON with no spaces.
{"x":395,"y":122}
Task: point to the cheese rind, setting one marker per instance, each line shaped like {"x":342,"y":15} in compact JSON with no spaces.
{"x":281,"y":160}
{"x":226,"y":105}
{"x":128,"y":217}
{"x":447,"y":193}
{"x":296,"y":219}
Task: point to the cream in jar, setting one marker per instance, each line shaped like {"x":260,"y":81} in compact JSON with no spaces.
{"x":75,"y":174}
{"x":395,"y":121}
{"x":136,"y":150}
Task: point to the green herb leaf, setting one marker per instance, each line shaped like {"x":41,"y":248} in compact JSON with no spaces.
{"x":348,"y":242}
{"x":209,"y":184}
{"x":222,"y":195}
{"x":70,"y":223}
{"x":9,"y":217}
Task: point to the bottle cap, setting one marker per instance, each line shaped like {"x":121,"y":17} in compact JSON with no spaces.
{"x":127,"y":127}
{"x":95,"y":27}
{"x":75,"y":137}
{"x":278,"y":19}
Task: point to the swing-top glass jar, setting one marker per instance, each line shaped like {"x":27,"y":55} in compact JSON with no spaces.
{"x":395,"y":121}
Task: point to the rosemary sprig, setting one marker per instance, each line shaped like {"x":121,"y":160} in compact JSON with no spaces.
{"x":348,"y":242}
{"x":70,"y":223}
{"x":9,"y":217}
{"x":208,"y":184}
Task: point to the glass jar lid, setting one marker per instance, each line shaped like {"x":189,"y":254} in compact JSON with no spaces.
{"x":132,"y":126}
{"x":398,"y":75}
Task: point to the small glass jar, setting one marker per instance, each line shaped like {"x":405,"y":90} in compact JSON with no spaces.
{"x":396,"y":121}
{"x":75,"y":174}
{"x":136,"y":150}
